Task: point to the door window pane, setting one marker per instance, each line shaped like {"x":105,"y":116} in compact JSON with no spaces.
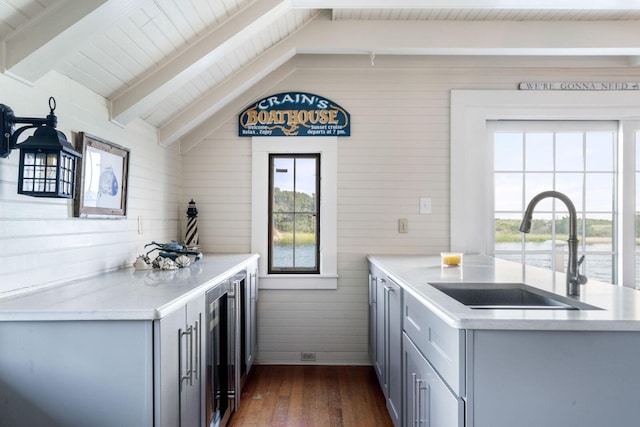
{"x":508,"y":151}
{"x":569,"y":151}
{"x":539,"y":151}
{"x":579,"y":162}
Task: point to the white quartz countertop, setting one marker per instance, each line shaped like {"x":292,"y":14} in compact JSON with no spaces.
{"x":125,"y":294}
{"x":620,"y":306}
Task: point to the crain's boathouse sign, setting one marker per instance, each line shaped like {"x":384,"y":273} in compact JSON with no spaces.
{"x":294,"y":114}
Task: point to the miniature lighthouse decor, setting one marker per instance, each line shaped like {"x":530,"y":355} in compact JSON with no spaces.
{"x":191,"y":238}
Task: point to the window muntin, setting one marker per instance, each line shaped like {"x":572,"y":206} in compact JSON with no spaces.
{"x":578,"y":159}
{"x":294,"y":213}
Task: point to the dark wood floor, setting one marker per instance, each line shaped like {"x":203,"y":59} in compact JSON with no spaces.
{"x":314,"y":396}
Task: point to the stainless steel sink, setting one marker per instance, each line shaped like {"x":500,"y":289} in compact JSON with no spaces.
{"x":508,"y":296}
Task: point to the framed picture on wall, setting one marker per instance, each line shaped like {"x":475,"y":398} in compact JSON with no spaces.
{"x":102,"y":177}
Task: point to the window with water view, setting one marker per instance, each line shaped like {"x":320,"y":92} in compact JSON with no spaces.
{"x":575,"y":158}
{"x":294,"y":213}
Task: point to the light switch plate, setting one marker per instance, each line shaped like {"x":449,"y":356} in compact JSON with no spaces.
{"x":403,"y":225}
{"x":425,"y":205}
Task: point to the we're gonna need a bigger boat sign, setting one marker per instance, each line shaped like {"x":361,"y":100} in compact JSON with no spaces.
{"x":294,"y":114}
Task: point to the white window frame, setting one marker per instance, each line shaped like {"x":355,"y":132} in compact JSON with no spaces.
{"x":471,"y":163}
{"x":328,"y":149}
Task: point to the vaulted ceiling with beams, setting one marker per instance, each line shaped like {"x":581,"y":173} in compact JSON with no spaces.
{"x":176,"y":63}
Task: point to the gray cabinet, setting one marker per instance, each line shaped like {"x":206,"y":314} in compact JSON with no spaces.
{"x":504,"y":377}
{"x":179,"y":387}
{"x":393,"y":342}
{"x":76,"y":373}
{"x":386,"y":340}
{"x":251,"y":316}
{"x":553,"y":378}
{"x":379,"y":325}
{"x":372,"y":319}
{"x":108,"y":359}
{"x":433,"y":368}
{"x":442,"y":345}
{"x":427,"y":399}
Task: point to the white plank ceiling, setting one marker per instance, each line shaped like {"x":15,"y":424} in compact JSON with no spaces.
{"x":175,"y":63}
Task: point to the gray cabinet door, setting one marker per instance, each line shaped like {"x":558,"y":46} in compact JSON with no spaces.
{"x":372,"y":318}
{"x":393,"y":352}
{"x":252,"y":316}
{"x":192,"y":387}
{"x":427,"y":399}
{"x":378,"y":356}
{"x":178,"y":366}
{"x":385,"y":338}
{"x":169,"y":346}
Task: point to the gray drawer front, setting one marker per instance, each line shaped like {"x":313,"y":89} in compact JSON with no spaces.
{"x":442,"y":345}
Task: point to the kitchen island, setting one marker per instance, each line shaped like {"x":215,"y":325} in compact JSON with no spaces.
{"x":123,"y":348}
{"x":462,"y":366}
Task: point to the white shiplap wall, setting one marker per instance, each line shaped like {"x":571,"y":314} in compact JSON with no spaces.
{"x":398,"y":152}
{"x":41,"y":243}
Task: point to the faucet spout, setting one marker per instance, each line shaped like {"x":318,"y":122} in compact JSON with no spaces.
{"x":574,"y":278}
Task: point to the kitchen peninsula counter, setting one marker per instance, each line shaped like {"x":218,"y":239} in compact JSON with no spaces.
{"x":126,"y":294}
{"x":620,"y":306}
{"x":496,"y":367}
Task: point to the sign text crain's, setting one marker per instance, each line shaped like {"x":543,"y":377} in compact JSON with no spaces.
{"x":294,"y":114}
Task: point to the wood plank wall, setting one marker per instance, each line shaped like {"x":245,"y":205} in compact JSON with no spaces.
{"x":398,"y":152}
{"x":41,"y":243}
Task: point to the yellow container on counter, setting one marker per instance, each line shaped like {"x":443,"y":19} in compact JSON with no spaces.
{"x":451,"y":259}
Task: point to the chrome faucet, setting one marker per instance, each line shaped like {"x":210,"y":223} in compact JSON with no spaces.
{"x":574,"y":278}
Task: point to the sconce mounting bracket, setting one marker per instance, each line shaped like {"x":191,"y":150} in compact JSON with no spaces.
{"x":6,"y":129}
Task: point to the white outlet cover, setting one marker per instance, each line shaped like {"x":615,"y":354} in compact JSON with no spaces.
{"x":425,"y":205}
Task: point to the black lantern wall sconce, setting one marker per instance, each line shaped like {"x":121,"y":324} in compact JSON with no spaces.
{"x":47,"y":160}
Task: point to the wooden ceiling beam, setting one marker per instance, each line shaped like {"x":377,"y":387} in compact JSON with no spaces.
{"x":235,"y":85}
{"x":193,"y":60}
{"x":231,"y":110}
{"x":584,"y":38}
{"x":35,"y":48}
{"x":325,"y":36}
{"x":469,"y":4}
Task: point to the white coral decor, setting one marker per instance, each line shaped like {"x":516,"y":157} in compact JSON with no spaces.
{"x":183,"y":261}
{"x":168,"y":264}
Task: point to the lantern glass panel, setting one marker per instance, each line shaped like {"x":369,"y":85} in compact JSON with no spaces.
{"x":52,"y":172}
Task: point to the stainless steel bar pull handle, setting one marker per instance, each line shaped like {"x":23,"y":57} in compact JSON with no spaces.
{"x":254,"y":286}
{"x":422,"y":385}
{"x":188,"y":371}
{"x":386,"y":287}
{"x":196,"y":352}
{"x":372,"y":289}
{"x":415,"y":410}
